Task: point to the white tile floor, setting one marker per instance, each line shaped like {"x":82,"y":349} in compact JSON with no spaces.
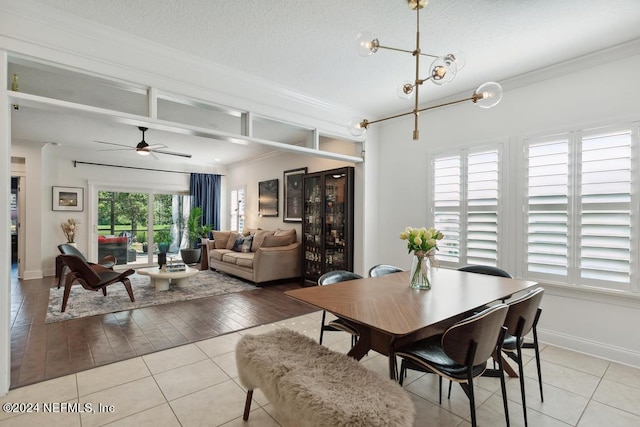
{"x":197,"y":385}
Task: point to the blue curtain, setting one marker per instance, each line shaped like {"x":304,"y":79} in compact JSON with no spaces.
{"x":204,"y":189}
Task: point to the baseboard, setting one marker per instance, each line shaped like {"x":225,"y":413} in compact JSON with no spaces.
{"x":604,"y":351}
{"x":33,"y":274}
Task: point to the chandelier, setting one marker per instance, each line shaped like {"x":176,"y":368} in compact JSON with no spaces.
{"x":442,"y":70}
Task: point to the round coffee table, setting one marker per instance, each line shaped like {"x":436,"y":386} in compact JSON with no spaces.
{"x":161,"y":279}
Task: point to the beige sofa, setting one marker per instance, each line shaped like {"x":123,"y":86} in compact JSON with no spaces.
{"x":256,"y":255}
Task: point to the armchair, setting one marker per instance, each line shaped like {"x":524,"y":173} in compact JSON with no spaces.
{"x":92,"y":278}
{"x":108,"y":261}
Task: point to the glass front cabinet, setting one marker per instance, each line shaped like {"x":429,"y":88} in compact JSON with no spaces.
{"x":327,"y":224}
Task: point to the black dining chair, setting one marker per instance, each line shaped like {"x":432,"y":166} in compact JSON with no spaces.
{"x":338,"y":324}
{"x":485,"y":269}
{"x":461,"y":353}
{"x":382,"y":269}
{"x":522,"y":318}
{"x":488,"y":270}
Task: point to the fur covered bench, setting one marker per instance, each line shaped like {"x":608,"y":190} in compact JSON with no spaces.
{"x":311,"y":385}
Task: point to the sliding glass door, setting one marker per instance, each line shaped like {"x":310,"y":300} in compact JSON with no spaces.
{"x":135,"y":226}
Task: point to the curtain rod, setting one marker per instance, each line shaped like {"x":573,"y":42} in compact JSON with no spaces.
{"x":76,"y":162}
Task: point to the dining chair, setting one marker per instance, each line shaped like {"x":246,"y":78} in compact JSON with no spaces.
{"x":460,"y":354}
{"x":92,"y":279}
{"x":489,"y":270}
{"x":522,"y":318}
{"x":485,"y":269}
{"x":107,"y":261}
{"x":382,"y":269}
{"x":338,"y":324}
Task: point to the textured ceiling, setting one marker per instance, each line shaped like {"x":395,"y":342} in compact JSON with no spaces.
{"x":309,"y":46}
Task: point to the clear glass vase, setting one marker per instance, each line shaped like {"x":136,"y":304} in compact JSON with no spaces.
{"x":420,"y":272}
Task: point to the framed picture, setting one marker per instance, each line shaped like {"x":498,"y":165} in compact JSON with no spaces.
{"x":293,"y":194}
{"x":268,"y":198}
{"x":68,"y":199}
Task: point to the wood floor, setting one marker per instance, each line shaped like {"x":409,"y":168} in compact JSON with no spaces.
{"x":42,"y":351}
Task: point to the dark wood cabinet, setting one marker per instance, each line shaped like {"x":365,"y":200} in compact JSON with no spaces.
{"x":327,"y":223}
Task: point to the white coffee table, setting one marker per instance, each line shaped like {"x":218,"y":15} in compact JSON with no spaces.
{"x":161,"y":279}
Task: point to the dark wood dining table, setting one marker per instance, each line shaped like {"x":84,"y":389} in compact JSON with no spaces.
{"x":388,"y":314}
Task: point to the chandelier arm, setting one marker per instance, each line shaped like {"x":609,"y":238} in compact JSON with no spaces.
{"x":472,"y":98}
{"x":394,"y":48}
{"x":406,"y":51}
{"x":370,"y":122}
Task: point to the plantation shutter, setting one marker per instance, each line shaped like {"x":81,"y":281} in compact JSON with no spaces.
{"x":483,"y":176}
{"x":466,"y":203}
{"x":580,"y":222}
{"x":447,"y":200}
{"x":547,"y":202}
{"x":605,"y":207}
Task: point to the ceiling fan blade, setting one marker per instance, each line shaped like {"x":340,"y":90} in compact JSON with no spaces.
{"x":113,"y":143}
{"x":172,"y":153}
{"x":117,"y":149}
{"x":156,"y":146}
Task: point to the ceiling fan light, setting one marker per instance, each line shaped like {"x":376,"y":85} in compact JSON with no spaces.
{"x":143,"y":148}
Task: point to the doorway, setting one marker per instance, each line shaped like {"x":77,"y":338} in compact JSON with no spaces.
{"x":16,"y":204}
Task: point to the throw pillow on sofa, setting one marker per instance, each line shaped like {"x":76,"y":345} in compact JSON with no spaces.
{"x":290,"y":234}
{"x":275,"y":241}
{"x":220,"y":239}
{"x":258,"y":238}
{"x":232,"y":239}
{"x":246,"y":244}
{"x":238,"y":243}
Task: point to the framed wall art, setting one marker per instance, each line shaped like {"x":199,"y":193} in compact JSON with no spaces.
{"x":68,"y":199}
{"x":268,"y":198}
{"x":293,"y":203}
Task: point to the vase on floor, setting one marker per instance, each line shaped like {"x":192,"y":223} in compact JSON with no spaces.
{"x":420,"y":271}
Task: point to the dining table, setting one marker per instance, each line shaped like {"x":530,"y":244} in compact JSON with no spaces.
{"x":388,"y":314}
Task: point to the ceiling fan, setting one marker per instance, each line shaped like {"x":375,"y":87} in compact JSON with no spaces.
{"x":145,"y":149}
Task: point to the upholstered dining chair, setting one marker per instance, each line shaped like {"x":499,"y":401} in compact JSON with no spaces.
{"x":330,"y":278}
{"x":382,"y":269}
{"x":92,"y":279}
{"x":522,"y":318}
{"x":66,"y":249}
{"x":461,"y":353}
{"x":485,"y":269}
{"x":489,"y":270}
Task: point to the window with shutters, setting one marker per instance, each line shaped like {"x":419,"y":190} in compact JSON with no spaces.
{"x":466,"y":199}
{"x":580,"y":225}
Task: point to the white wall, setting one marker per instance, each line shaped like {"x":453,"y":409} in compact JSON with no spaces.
{"x":248,"y":175}
{"x":608,"y":93}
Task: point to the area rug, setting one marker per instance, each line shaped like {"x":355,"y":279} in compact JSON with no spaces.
{"x":83,"y":303}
